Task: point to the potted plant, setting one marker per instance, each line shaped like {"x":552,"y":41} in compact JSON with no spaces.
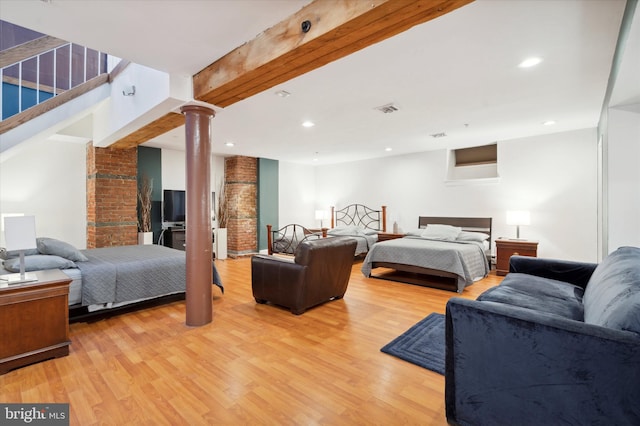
{"x":145,"y":189}
{"x":222,"y":218}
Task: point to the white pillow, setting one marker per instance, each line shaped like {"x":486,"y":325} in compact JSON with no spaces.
{"x":441,"y":232}
{"x":415,"y":232}
{"x":367,"y":231}
{"x":472,"y":236}
{"x":348,"y":230}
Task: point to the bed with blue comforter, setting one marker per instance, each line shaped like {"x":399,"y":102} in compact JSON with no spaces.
{"x":109,"y":277}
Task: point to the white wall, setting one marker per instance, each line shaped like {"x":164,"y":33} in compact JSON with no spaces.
{"x":553,"y":176}
{"x":623,"y":179}
{"x":297,"y":193}
{"x":48,"y":179}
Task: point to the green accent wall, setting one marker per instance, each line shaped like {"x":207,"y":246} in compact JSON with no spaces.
{"x":267,"y":199}
{"x":150,"y":163}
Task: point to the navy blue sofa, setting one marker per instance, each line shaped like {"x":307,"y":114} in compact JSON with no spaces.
{"x":557,"y":342}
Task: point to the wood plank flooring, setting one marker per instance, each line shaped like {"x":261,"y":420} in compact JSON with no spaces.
{"x":254,"y":364}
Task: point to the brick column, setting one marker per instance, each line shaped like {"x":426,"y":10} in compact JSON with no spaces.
{"x":241,"y":178}
{"x":111,"y":197}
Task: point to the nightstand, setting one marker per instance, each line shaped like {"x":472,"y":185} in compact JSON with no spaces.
{"x":34,"y":320}
{"x":505,"y":248}
{"x":384,"y":236}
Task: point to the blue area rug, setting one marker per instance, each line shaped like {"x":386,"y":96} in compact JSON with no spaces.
{"x":422,"y":344}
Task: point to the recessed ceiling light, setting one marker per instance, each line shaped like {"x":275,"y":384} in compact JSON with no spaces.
{"x":308,"y":123}
{"x":229,"y":144}
{"x":549,"y":123}
{"x":530,"y":62}
{"x":388,"y":149}
{"x":283,"y":93}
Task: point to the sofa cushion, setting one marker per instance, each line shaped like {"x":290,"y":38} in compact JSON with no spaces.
{"x":540,"y":294}
{"x":612,"y":296}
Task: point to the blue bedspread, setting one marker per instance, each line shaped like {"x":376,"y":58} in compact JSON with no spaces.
{"x":127,"y":273}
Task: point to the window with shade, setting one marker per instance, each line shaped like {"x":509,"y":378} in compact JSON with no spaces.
{"x":473,"y":164}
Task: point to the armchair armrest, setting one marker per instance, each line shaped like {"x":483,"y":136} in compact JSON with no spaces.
{"x":270,"y":269}
{"x":576,"y":273}
{"x":276,"y":279}
{"x":511,"y":365}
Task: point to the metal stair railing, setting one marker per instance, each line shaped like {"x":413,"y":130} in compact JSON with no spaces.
{"x":45,"y":75}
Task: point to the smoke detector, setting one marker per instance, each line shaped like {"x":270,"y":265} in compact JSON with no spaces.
{"x":388,"y":108}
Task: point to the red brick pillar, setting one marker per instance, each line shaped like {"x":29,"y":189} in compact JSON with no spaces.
{"x":111,"y":196}
{"x":241,"y":178}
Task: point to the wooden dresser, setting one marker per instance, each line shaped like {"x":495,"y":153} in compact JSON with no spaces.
{"x":34,"y":320}
{"x":506,"y":248}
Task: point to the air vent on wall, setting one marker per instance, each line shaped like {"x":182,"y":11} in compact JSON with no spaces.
{"x":388,"y":108}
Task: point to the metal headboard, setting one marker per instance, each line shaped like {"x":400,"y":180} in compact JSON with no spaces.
{"x":361,"y":216}
{"x":286,"y":239}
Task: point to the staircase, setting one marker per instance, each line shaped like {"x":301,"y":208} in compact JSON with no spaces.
{"x":46,"y":74}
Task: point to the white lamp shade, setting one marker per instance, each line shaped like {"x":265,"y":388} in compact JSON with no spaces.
{"x":518,"y":217}
{"x":20,"y":232}
{"x":321,"y":214}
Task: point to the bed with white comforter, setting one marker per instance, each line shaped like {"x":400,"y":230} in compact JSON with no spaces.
{"x":444,"y":252}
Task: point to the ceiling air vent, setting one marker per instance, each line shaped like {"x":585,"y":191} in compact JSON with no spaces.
{"x":388,"y":108}
{"x":439,"y":135}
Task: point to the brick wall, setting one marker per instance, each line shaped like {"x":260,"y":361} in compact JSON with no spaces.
{"x":241,"y":179}
{"x":111,"y":196}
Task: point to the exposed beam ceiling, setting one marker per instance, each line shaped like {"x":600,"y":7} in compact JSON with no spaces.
{"x":285,"y":51}
{"x":157,"y":127}
{"x":456,"y":75}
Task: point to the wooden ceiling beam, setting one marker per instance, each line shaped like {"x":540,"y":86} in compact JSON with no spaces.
{"x":285,"y":51}
{"x":157,"y":127}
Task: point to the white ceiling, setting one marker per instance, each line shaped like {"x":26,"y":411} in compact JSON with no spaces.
{"x":457,"y":74}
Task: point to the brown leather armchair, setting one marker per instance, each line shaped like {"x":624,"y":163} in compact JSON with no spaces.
{"x":319,"y":273}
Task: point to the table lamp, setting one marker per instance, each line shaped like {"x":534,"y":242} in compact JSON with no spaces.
{"x":20,"y":235}
{"x":518,"y":217}
{"x":321,"y":215}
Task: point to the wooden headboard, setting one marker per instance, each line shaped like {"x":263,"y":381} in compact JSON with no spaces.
{"x":360,"y":215}
{"x":472,"y":224}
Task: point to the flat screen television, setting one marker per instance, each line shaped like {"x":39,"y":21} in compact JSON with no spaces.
{"x":174,"y":205}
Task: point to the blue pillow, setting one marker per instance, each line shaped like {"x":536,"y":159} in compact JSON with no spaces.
{"x":60,"y":248}
{"x":4,"y":254}
{"x":38,"y":262}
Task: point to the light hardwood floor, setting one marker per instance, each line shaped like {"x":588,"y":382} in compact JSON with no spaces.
{"x":254,"y":364}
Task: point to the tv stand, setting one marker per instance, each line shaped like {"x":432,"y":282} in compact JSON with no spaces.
{"x":175,"y":238}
